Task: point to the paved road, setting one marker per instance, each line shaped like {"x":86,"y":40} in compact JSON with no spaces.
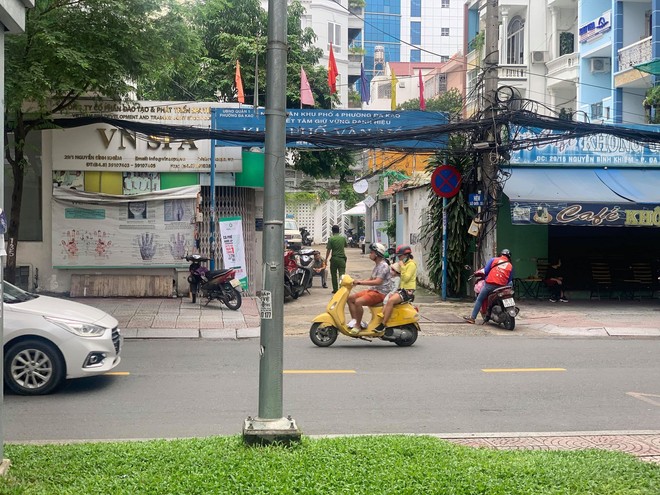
{"x":180,"y":388}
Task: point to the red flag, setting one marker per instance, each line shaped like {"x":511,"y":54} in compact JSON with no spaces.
{"x":332,"y":71}
{"x":306,"y":95}
{"x":422,"y":102}
{"x":239,"y":83}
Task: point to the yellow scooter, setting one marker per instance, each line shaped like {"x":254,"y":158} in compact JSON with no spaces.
{"x":402,"y":327}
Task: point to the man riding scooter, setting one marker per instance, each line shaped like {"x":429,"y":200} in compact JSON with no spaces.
{"x":499,"y":273}
{"x":380,"y":283}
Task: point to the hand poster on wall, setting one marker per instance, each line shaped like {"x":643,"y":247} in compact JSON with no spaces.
{"x":233,"y":247}
{"x":103,"y":230}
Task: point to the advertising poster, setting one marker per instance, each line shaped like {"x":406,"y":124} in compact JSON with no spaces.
{"x":380,"y":233}
{"x":233,"y":247}
{"x":106,"y":231}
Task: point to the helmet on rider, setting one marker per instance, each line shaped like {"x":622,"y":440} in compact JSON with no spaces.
{"x":378,"y":248}
{"x":506,"y":252}
{"x":404,"y":250}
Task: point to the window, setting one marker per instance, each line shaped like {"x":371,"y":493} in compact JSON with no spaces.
{"x":444,"y":31}
{"x":334,"y":37}
{"x":597,"y":110}
{"x":444,"y":58}
{"x":415,"y":8}
{"x":442,"y":83}
{"x":444,"y":4}
{"x":415,"y":55}
{"x":385,"y":91}
{"x":416,"y":32}
{"x":515,"y":43}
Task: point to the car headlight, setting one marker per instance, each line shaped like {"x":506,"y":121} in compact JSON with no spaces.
{"x":78,"y":327}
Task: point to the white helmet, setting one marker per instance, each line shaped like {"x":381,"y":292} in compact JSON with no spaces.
{"x":378,"y":248}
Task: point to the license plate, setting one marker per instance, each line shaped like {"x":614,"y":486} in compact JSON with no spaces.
{"x":508,"y":302}
{"x":234,"y":282}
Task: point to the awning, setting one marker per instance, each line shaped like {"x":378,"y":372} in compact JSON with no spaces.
{"x":629,"y":197}
{"x":359,"y":209}
{"x":584,"y":185}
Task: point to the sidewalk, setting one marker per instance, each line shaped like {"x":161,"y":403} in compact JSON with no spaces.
{"x":180,"y":318}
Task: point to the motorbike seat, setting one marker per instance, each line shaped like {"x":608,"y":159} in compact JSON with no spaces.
{"x":216,"y":273}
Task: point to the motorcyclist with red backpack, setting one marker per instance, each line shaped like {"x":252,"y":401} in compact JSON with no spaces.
{"x":499,"y":273}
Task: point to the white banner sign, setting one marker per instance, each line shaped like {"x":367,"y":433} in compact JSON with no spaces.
{"x":106,"y":231}
{"x":233,"y":247}
{"x":102,"y":147}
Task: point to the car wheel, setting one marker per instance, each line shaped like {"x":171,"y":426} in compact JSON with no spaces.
{"x":33,"y":367}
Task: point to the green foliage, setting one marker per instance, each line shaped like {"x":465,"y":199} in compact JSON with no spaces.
{"x":459,"y":216}
{"x":348,"y":194}
{"x":390,"y":229}
{"x":324,"y":466}
{"x":336,"y":163}
{"x":294,"y":198}
{"x":450,"y":102}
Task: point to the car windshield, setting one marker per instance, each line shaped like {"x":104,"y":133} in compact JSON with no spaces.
{"x":290,"y":225}
{"x":12,"y":294}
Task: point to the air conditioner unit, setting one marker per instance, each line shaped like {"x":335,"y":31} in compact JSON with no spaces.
{"x":599,"y":65}
{"x":539,"y":57}
{"x":402,"y":84}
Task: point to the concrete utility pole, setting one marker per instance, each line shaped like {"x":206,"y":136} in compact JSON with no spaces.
{"x":270,"y":426}
{"x":490,"y":159}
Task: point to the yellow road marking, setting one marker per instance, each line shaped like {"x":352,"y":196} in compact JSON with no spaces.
{"x":300,"y":372}
{"x":118,"y":373}
{"x":519,"y":370}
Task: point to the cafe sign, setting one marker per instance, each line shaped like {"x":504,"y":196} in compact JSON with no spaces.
{"x":585,"y":214}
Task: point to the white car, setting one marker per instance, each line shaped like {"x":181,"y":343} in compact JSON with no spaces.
{"x":48,"y":340}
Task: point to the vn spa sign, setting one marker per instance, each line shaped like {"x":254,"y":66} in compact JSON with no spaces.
{"x":104,"y":148}
{"x":585,"y":214}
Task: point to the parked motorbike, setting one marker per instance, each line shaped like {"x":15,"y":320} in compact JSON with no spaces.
{"x":306,"y":237}
{"x":298,"y":272}
{"x":351,"y":239}
{"x":499,"y":307}
{"x":402,"y":327}
{"x":213,"y":284}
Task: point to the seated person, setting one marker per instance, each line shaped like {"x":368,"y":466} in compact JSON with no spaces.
{"x":318,"y":267}
{"x":408,"y":284}
{"x":554,"y":280}
{"x":380,"y":286}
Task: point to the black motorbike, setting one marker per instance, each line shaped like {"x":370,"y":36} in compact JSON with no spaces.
{"x":213,"y":284}
{"x":306,"y":236}
{"x":298,"y":272}
{"x":351,"y":238}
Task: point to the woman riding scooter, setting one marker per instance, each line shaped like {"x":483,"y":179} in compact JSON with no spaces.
{"x":380,"y":283}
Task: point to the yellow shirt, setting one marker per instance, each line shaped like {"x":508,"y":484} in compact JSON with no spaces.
{"x":408,"y":275}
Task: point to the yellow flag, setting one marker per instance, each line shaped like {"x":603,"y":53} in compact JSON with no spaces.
{"x":393,"y":82}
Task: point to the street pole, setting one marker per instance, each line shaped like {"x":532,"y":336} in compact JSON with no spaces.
{"x":490,"y":159}
{"x":269,"y":426}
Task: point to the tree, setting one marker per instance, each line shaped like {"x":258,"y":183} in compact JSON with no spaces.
{"x":450,"y":101}
{"x":72,"y":49}
{"x":459,"y":216}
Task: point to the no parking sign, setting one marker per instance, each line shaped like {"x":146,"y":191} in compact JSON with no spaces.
{"x":446,"y":181}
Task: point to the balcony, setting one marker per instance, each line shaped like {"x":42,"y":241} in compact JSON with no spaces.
{"x":563,"y":71}
{"x":512,"y":72}
{"x":635,"y":54}
{"x":630,"y":56}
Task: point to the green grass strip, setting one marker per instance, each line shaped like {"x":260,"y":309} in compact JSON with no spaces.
{"x":348,"y":465}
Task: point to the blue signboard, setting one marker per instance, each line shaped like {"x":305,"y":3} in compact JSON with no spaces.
{"x":585,"y":214}
{"x":597,"y":150}
{"x":365,"y":124}
{"x":476,"y":199}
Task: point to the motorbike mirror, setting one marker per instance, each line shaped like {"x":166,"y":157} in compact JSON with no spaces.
{"x":467,"y":267}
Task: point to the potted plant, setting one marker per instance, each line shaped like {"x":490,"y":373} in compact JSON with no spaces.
{"x":651,"y":104}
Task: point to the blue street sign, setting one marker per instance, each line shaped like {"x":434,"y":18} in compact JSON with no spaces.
{"x":476,"y":199}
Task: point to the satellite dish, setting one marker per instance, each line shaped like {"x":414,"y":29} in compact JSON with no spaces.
{"x":360,"y":186}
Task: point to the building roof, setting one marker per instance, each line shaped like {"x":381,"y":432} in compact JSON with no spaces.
{"x":403,"y":69}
